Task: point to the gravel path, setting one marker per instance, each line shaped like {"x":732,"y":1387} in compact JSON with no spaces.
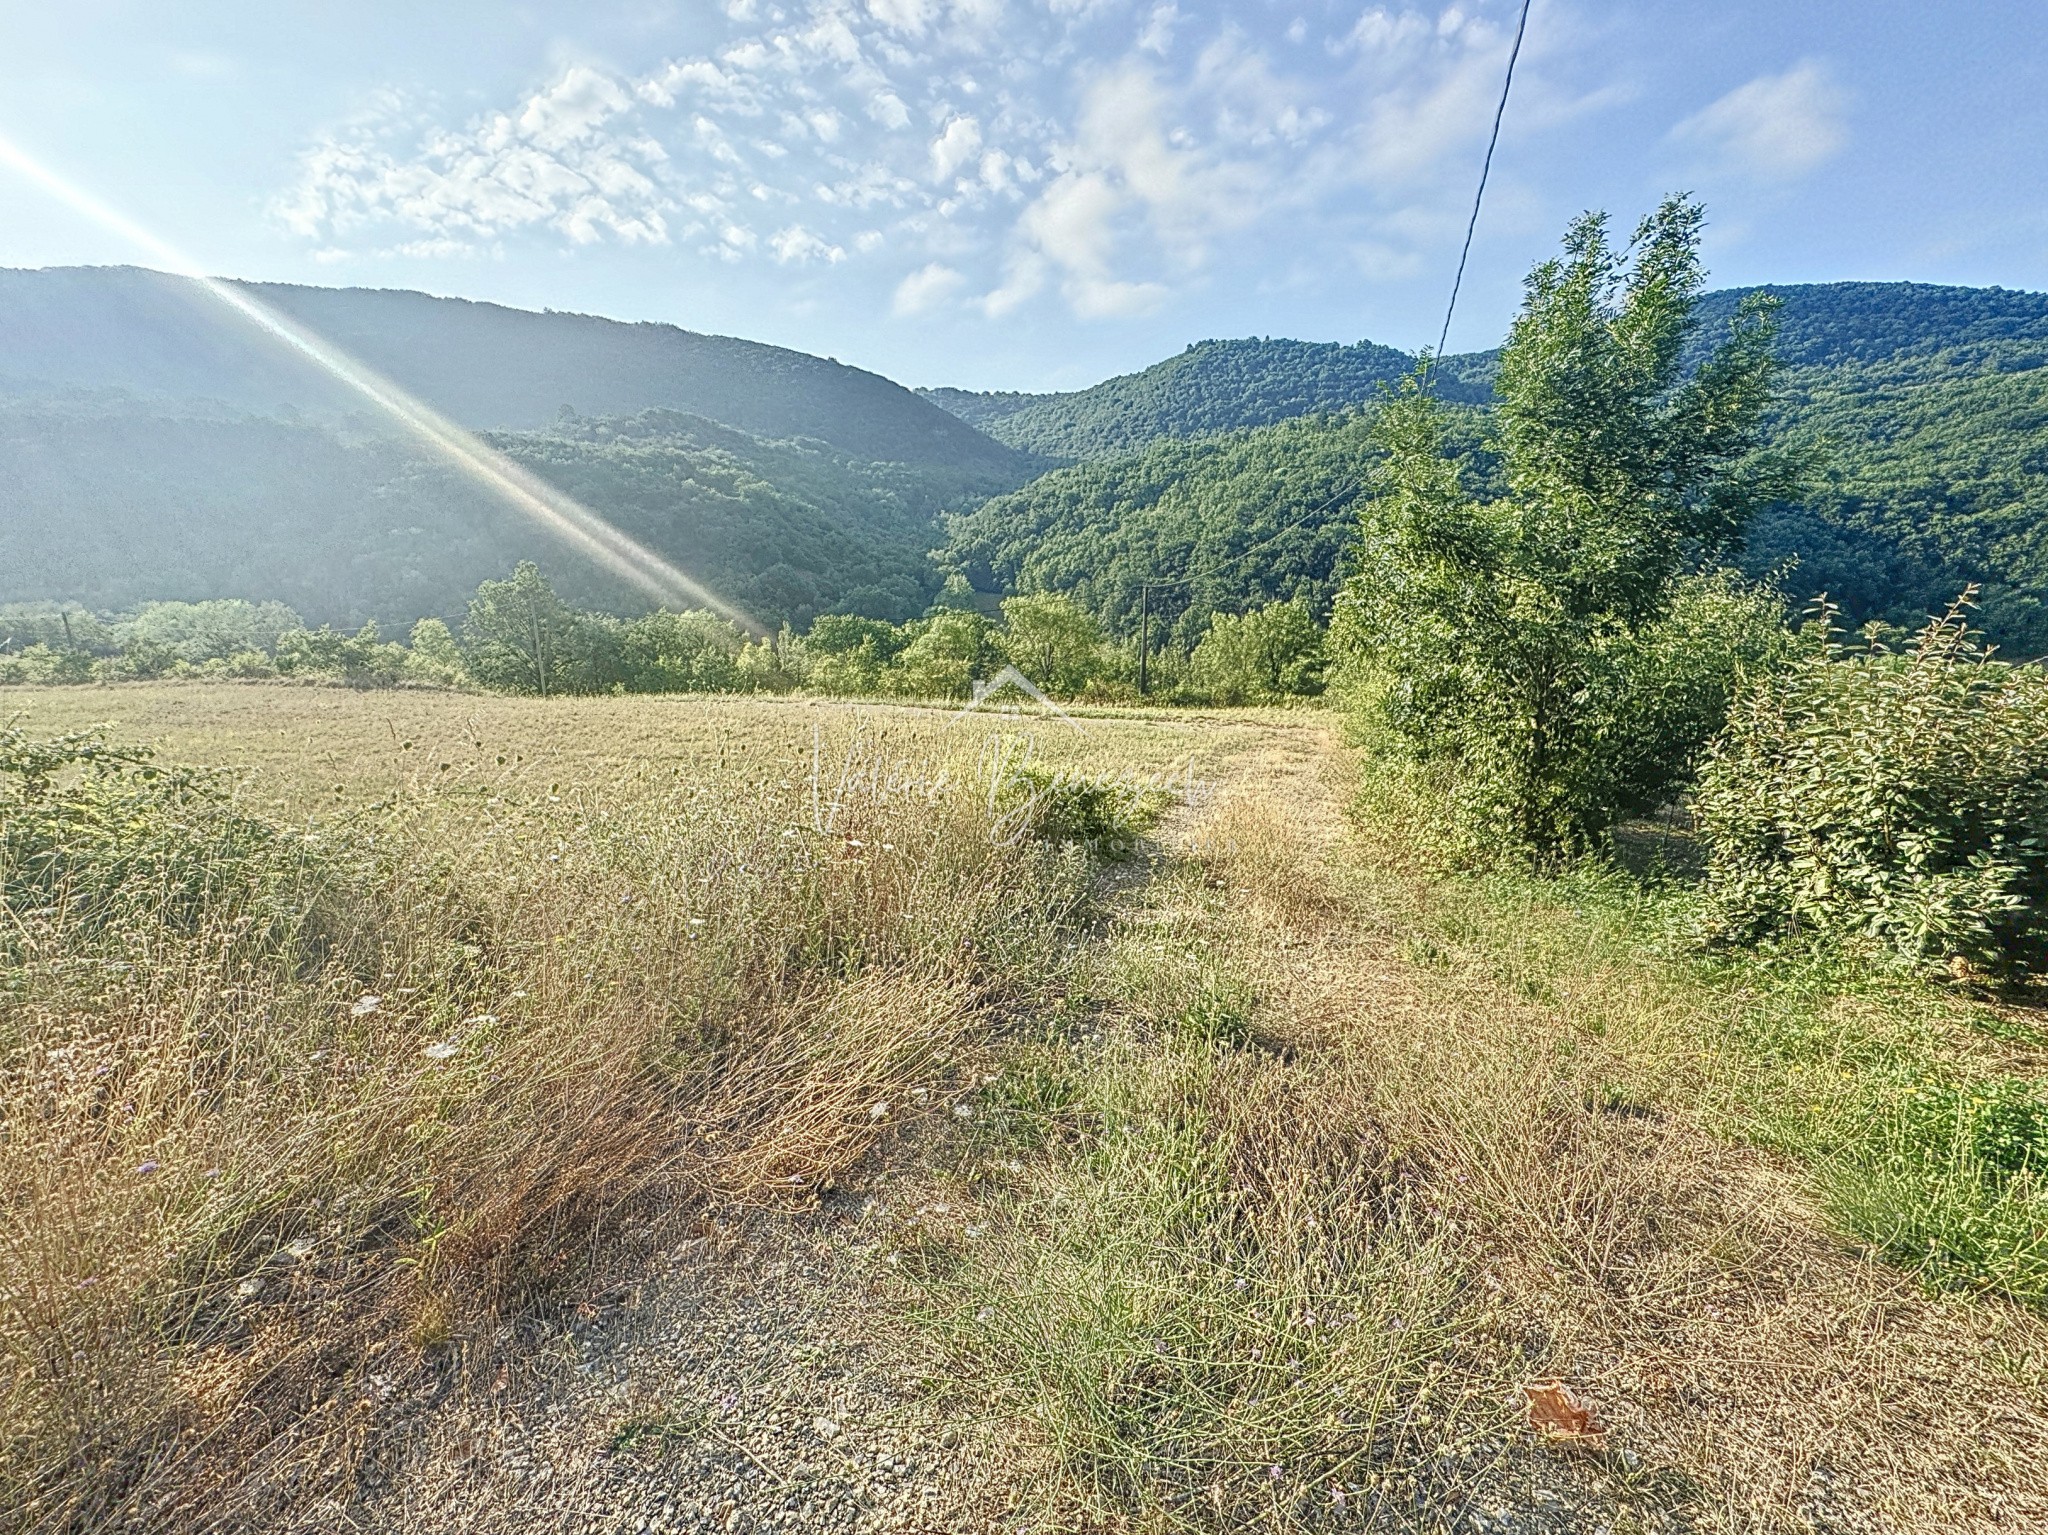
{"x":725,"y":1387}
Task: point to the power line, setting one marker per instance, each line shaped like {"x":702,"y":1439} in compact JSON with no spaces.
{"x":1479,"y":197}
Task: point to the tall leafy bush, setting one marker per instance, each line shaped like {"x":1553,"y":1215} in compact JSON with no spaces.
{"x":1898,"y":800}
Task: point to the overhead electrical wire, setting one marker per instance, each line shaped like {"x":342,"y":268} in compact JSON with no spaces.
{"x":1479,"y":197}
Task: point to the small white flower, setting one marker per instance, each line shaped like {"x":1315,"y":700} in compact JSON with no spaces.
{"x":365,"y":1005}
{"x":878,"y":1111}
{"x":963,"y":1111}
{"x":441,"y":1049}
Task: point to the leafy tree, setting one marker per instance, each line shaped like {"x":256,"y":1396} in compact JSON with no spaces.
{"x":212,"y":630}
{"x":435,"y":655}
{"x":666,"y":652}
{"x":844,"y":653}
{"x":362,"y":659}
{"x":1510,"y":632}
{"x":947,"y":654}
{"x":1268,"y":654}
{"x":522,"y":638}
{"x":1054,"y":641}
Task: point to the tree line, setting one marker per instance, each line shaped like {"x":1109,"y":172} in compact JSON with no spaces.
{"x":520,"y":636}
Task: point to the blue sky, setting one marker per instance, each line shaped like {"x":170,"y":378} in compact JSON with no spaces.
{"x":1022,"y":193}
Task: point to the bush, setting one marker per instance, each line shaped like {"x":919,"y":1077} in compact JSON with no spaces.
{"x":1106,"y":818}
{"x":1272,"y":653}
{"x":40,"y":665}
{"x":361,"y":660}
{"x":1899,"y":801}
{"x":666,"y":652}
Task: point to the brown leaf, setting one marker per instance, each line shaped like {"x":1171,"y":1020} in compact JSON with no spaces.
{"x":1557,"y":1414}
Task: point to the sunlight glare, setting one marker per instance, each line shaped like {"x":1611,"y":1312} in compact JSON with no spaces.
{"x":562,"y":515}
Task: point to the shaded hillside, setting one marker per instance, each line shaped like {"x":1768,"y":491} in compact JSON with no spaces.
{"x":1227,"y":521}
{"x":110,"y":506}
{"x":1926,"y":408}
{"x":1213,"y":386}
{"x":487,"y":366}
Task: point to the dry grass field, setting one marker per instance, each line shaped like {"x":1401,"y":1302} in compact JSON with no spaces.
{"x":659,"y":1113}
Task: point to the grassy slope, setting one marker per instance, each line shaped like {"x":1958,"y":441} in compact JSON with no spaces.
{"x":1265,"y":1201}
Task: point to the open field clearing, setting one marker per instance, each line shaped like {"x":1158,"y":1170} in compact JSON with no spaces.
{"x":664,"y":1113}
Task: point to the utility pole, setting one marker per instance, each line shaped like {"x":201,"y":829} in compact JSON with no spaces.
{"x":1145,"y":629}
{"x":1144,"y":634}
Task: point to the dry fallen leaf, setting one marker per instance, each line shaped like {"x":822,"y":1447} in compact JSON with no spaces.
{"x":1558,"y":1415}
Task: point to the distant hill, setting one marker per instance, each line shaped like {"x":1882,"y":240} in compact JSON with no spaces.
{"x":1927,"y":407}
{"x":1213,"y":386}
{"x":155,"y":444}
{"x":486,"y":366}
{"x":1222,"y":522}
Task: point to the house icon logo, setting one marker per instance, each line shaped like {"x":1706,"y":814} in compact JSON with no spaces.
{"x":1008,"y":691}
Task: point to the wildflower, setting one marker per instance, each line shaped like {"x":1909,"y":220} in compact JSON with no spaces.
{"x":878,"y":1111}
{"x":1273,"y":1473}
{"x":963,"y":1111}
{"x":441,"y":1049}
{"x":147,"y":1168}
{"x":365,"y":1005}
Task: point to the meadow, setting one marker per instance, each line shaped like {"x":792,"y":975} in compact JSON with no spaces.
{"x":1244,"y":1169}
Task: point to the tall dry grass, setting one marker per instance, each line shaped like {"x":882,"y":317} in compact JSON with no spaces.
{"x":290,"y":1119}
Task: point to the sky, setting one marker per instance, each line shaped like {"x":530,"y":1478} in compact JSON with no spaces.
{"x":1021,"y":194}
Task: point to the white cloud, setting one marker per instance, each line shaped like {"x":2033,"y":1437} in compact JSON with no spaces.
{"x":797,"y":246}
{"x":559,"y":160}
{"x":1775,"y":128}
{"x":1156,"y":36}
{"x":926,"y":289}
{"x":957,"y":143}
{"x":1102,"y":152}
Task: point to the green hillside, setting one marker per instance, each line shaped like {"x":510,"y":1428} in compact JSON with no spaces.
{"x":109,"y":506}
{"x":1213,"y":386}
{"x":1223,"y":522}
{"x":156,"y":336}
{"x":1926,"y":408}
{"x":154,"y":444}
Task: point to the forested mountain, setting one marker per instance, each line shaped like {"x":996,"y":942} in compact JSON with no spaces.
{"x":156,"y":444}
{"x":486,"y":366}
{"x":1221,"y":523}
{"x":1213,"y":386}
{"x":108,"y":506}
{"x":1925,"y":408}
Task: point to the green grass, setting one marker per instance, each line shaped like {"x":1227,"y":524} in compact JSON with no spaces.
{"x":1877,"y":1082}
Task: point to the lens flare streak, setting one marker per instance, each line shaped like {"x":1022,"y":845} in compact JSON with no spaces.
{"x":560,"y":514}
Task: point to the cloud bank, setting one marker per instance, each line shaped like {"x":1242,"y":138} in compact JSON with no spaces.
{"x":986,"y":155}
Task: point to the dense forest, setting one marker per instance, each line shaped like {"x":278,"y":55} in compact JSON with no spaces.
{"x":114,"y":505}
{"x":1221,"y":524}
{"x":1213,"y":386}
{"x":153,"y":445}
{"x":1923,"y":410}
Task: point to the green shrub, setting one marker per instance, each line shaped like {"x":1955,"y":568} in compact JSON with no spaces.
{"x":1999,"y":1124}
{"x":1263,"y":656}
{"x":1899,"y":801}
{"x":97,"y":839}
{"x":1108,"y":818}
{"x":361,"y":660}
